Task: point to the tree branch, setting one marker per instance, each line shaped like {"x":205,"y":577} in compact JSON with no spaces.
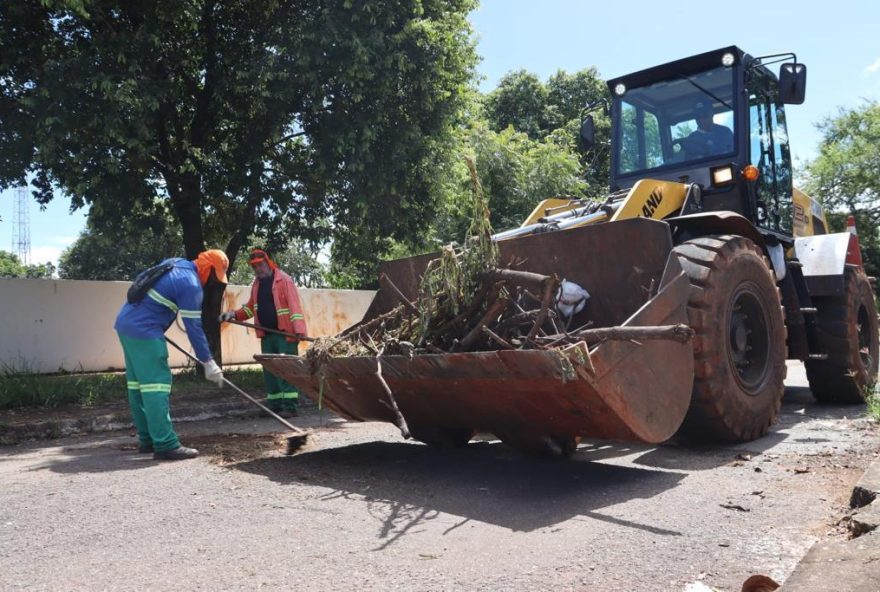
{"x":289,"y":137}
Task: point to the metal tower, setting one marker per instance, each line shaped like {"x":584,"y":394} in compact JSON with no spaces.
{"x":21,"y":226}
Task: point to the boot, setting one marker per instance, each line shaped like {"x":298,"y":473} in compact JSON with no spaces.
{"x":145,"y":448}
{"x":179,"y":453}
{"x":273,"y":405}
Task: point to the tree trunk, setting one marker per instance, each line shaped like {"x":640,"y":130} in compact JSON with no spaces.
{"x":187,"y":201}
{"x":211,"y":305}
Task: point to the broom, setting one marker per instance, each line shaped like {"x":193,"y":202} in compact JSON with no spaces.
{"x":294,"y":442}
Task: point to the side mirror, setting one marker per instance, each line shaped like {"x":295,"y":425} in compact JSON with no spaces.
{"x":792,"y":83}
{"x":588,"y":132}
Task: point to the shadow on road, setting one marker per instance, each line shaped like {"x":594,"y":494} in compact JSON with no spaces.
{"x":798,"y":406}
{"x":407,"y":484}
{"x":95,"y":459}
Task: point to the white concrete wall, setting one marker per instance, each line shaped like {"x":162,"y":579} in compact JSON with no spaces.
{"x":52,"y":325}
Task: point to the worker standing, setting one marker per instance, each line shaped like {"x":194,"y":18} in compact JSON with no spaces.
{"x":274,"y":301}
{"x":174,"y":286}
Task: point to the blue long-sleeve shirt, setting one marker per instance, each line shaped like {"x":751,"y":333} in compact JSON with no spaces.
{"x":178,"y":291}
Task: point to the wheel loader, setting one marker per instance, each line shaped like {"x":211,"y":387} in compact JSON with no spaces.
{"x":701,"y":226}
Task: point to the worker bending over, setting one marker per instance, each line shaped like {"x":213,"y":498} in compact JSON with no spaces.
{"x":174,"y":286}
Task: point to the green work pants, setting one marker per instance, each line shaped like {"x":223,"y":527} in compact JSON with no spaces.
{"x":280,"y":395}
{"x":149,"y":389}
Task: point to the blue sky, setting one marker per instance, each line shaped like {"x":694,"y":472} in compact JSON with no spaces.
{"x":839,"y":42}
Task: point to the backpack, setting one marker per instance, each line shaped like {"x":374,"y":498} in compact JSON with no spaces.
{"x":146,"y":280}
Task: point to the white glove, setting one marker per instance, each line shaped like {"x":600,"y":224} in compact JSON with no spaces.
{"x":570,"y":298}
{"x":214,"y":373}
{"x":226,"y":316}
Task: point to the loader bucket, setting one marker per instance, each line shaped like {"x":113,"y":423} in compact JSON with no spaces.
{"x":532,"y":399}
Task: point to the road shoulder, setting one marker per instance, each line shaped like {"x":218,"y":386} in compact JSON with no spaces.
{"x":852,"y":564}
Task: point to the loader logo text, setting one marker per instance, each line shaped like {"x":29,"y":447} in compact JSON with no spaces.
{"x":652,"y":203}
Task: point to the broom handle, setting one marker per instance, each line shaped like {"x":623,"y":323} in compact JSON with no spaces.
{"x":236,"y":389}
{"x":252,"y":326}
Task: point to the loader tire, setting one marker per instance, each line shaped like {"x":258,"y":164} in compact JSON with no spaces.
{"x":846,"y":328}
{"x":442,"y":437}
{"x":736,"y":313}
{"x":541,"y":445}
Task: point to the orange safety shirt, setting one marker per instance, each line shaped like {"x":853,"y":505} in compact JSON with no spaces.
{"x":287,"y":306}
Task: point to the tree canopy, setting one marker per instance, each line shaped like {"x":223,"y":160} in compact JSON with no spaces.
{"x":520,"y":101}
{"x":524,"y":139}
{"x":12,"y":267}
{"x":516,"y":173}
{"x":122,"y":250}
{"x":555,"y":108}
{"x":846,"y":175}
{"x":258,"y":118}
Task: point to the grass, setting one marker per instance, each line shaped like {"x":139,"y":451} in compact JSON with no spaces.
{"x":873,"y":401}
{"x":20,"y":388}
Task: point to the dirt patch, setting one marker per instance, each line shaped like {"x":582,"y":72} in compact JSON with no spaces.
{"x":228,"y":449}
{"x":231,"y":448}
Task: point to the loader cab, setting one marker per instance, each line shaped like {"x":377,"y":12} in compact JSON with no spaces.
{"x":714,"y":119}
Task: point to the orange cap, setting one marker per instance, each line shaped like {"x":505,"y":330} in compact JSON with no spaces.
{"x":212,"y":259}
{"x":258,"y":255}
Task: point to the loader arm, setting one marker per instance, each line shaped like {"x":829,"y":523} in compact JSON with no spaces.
{"x":648,"y":198}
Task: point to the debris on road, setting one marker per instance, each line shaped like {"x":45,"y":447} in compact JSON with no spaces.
{"x":759,"y":583}
{"x":736,"y":507}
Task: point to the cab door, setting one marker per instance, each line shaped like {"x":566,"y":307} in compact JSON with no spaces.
{"x":769,"y":151}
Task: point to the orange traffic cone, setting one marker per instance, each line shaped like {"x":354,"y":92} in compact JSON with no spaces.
{"x":851,"y":225}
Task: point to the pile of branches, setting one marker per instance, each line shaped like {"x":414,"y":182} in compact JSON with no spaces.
{"x":511,"y":310}
{"x":467,"y":303}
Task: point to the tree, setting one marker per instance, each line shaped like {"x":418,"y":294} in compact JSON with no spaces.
{"x":555,"y":111}
{"x":12,"y":267}
{"x":516,"y":173}
{"x":568,"y":94}
{"x":260,"y":118}
{"x":846,"y":175}
{"x":521,"y":102}
{"x":117,"y":253}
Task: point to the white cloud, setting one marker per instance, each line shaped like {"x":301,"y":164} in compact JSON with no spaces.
{"x":50,"y":250}
{"x":46,"y":254}
{"x":873,"y":68}
{"x":63,"y":241}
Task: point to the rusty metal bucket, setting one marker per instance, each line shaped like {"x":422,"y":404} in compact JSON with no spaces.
{"x":536,"y":400}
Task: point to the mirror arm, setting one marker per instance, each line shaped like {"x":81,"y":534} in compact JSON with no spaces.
{"x":603,"y":101}
{"x":763,"y":60}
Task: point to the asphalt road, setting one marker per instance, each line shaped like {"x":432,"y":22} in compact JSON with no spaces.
{"x":359,"y":508}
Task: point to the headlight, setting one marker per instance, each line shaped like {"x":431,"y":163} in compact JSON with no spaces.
{"x":727,"y":60}
{"x":722,"y":175}
{"x":619,"y":89}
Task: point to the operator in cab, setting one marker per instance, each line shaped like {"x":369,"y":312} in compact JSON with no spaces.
{"x":710,"y":138}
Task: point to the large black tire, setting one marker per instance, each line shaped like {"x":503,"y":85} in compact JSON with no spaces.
{"x":846,"y":328}
{"x":442,"y":437}
{"x":739,"y":342}
{"x":541,"y":446}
